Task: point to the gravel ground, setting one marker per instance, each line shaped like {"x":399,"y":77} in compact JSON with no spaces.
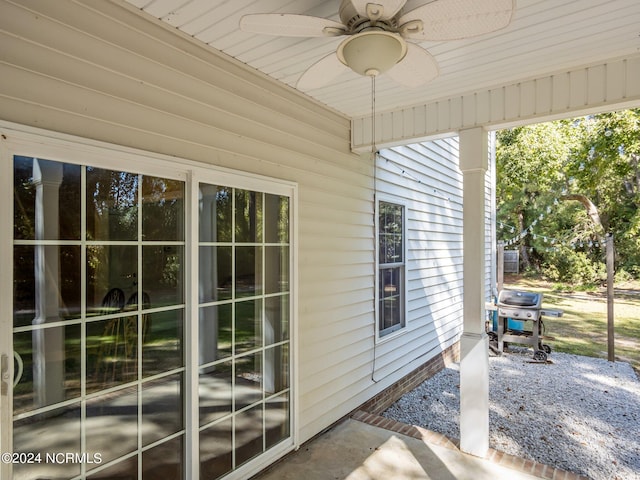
{"x":576,"y":413}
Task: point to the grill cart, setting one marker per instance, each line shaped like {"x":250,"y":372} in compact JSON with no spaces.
{"x":516,"y":310}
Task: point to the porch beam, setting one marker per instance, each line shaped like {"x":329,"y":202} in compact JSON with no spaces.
{"x":608,"y":85}
{"x":474,"y":344}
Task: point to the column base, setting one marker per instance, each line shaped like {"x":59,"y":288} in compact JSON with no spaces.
{"x":474,"y":394}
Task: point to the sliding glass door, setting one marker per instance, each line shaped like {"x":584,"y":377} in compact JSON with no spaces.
{"x":106,"y":271}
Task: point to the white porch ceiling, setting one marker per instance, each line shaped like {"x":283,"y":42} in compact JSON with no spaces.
{"x":545,"y":37}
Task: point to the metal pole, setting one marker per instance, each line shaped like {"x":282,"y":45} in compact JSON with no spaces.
{"x":610,"y":298}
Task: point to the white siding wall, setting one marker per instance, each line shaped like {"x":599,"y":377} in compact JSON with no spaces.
{"x":96,"y":71}
{"x":426,"y":179}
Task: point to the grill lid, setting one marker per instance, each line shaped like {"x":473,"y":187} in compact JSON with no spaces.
{"x":516,"y":298}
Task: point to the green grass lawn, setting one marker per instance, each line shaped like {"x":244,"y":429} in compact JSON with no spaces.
{"x":583,"y":328}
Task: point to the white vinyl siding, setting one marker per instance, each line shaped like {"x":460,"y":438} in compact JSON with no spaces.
{"x":425,"y":178}
{"x":93,"y":73}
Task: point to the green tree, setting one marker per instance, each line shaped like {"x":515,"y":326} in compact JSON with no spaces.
{"x":597,"y":156}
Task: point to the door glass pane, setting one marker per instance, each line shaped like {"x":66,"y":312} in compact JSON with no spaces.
{"x":276,"y":275}
{"x":162,"y":209}
{"x":162,"y":283}
{"x":51,"y":433}
{"x":98,"y":320}
{"x":112,"y":424}
{"x":215,"y":391}
{"x":276,"y":319}
{"x":216,"y":213}
{"x":248,"y":271}
{"x":215,"y":273}
{"x":56,"y":187}
{"x":109,"y":267}
{"x":243,"y":317}
{"x":216,"y":450}
{"x":51,"y":367}
{"x":276,"y":225}
{"x":112,"y":205}
{"x":248,"y":216}
{"x":112,"y":352}
{"x":215,"y":333}
{"x":248,"y":380}
{"x":162,"y":341}
{"x":248,"y":330}
{"x":276,"y":419}
{"x":126,"y":469}
{"x":62,"y":300}
{"x":161,"y":408}
{"x":249,"y":434}
{"x":164,"y":461}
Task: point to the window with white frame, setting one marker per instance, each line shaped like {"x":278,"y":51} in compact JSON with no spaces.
{"x":391,"y":267}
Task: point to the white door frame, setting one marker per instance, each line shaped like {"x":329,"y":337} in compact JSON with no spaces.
{"x":21,"y":140}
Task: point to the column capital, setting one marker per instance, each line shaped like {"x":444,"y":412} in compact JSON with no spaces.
{"x":474,"y":150}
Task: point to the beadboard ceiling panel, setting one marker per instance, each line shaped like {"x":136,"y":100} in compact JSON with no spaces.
{"x":545,"y":36}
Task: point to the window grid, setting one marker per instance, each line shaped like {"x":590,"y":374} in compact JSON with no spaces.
{"x":391,"y":267}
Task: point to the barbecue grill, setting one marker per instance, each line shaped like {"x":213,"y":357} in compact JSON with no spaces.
{"x":515,"y":309}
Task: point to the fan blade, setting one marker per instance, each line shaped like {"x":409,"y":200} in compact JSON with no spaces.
{"x":321,"y":73}
{"x":416,"y":68}
{"x":389,"y":7}
{"x":458,"y":19}
{"x":290,"y":25}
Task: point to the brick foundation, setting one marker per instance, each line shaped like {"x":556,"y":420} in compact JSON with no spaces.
{"x":388,"y":397}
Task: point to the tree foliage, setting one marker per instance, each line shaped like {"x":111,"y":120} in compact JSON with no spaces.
{"x":596,"y":156}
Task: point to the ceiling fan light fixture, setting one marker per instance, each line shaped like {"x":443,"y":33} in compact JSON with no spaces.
{"x":372,"y":53}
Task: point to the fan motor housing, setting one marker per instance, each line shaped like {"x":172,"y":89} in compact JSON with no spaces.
{"x":356,"y":23}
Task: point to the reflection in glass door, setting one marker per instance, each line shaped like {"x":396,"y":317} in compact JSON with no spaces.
{"x":98,"y":304}
{"x":244,"y":344}
{"x":100,"y":311}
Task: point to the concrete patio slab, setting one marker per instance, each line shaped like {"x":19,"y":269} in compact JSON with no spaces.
{"x":353,"y":450}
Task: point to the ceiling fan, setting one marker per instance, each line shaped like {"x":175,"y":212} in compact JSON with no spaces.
{"x":379,"y":33}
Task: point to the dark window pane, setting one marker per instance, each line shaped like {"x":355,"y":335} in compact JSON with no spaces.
{"x":215,"y":392}
{"x":63,"y":429}
{"x":164,"y":461}
{"x":248,"y":329}
{"x":391,"y":295}
{"x":112,"y":352}
{"x":216,"y":219}
{"x":47,"y":192}
{"x":112,"y":205}
{"x":215,"y":333}
{"x":248,"y":380}
{"x":162,"y":209}
{"x":51,"y":360}
{"x":216,"y":450}
{"x":109,"y":267}
{"x":125,"y":470}
{"x":216,"y":274}
{"x":276,"y":369}
{"x":162,"y":341}
{"x":161,"y":408}
{"x":57,"y":289}
{"x":276,"y":275}
{"x":276,"y":419}
{"x":276,"y":219}
{"x":390,"y":228}
{"x":276,"y":319}
{"x":248,"y":216}
{"x":112,"y":424}
{"x":248,"y":271}
{"x":248,"y":434}
{"x":162,"y":277}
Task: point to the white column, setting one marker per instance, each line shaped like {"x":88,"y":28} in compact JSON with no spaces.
{"x":48,"y":344}
{"x":474,"y":344}
{"x":208,"y":263}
